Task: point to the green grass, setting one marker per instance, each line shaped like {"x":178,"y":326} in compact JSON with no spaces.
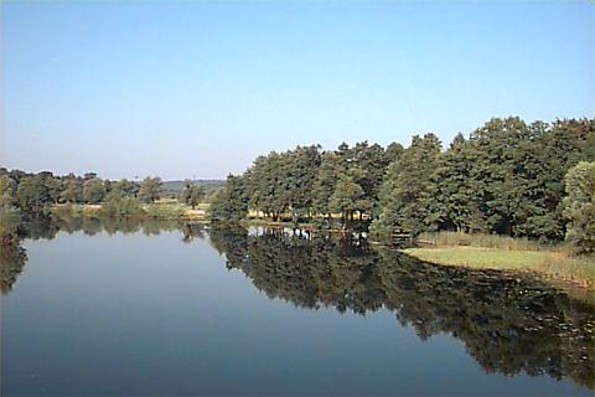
{"x":452,"y":239}
{"x":77,"y":209}
{"x":477,"y":257}
{"x":164,"y":209}
{"x":576,"y":269}
{"x":173,"y":209}
{"x":485,"y":251}
{"x":554,"y":265}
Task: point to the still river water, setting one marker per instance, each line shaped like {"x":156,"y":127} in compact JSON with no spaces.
{"x":90,"y":308}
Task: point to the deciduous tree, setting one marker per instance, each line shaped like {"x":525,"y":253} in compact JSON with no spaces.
{"x":150,"y":189}
{"x":580,"y":206}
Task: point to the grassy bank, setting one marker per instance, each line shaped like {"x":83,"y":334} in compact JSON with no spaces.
{"x":165,"y":209}
{"x":554,"y":263}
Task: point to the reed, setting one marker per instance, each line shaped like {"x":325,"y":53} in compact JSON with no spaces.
{"x":481,"y":251}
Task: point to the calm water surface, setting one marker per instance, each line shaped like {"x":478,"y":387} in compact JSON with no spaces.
{"x":227,"y":312}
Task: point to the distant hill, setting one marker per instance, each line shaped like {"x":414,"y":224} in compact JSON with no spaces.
{"x":176,"y":186}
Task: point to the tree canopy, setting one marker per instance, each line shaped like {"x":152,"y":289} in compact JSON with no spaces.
{"x":580,"y":205}
{"x":507,"y":178}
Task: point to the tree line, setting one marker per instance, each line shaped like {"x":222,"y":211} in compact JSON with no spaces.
{"x":32,"y":193}
{"x":508,"y":177}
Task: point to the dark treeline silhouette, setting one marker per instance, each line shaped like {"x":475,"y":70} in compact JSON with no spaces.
{"x":508,"y":178}
{"x":509,"y":324}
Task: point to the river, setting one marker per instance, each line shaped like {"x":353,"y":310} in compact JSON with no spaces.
{"x":112,"y":309}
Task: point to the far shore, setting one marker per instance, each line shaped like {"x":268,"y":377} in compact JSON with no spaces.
{"x":162,"y":209}
{"x":556,"y":265}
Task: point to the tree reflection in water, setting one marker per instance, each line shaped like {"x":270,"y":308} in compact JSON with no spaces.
{"x":14,"y":229}
{"x":509,"y":324}
{"x":12,"y":261}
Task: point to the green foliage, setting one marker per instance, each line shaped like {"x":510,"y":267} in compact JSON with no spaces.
{"x":172,"y":210}
{"x":230,"y":204}
{"x":366,"y":164}
{"x":406,"y":196}
{"x":73,"y":191}
{"x":517,"y":177}
{"x":324,"y":184}
{"x":455,"y":205}
{"x":482,"y":240}
{"x":507,"y":178}
{"x":93,"y":191}
{"x":580,"y":206}
{"x":116,"y":205}
{"x":12,"y":255}
{"x":300,"y":169}
{"x":302,"y":181}
{"x":150,"y":189}
{"x":191,"y":194}
{"x":8,"y":190}
{"x":32,"y":194}
{"x":346,"y":197}
{"x":53,"y":184}
{"x":265,"y":185}
{"x":10,"y":218}
{"x":124,"y":188}
{"x":282,"y":182}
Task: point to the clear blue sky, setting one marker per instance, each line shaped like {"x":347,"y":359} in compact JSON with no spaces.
{"x":201,"y":88}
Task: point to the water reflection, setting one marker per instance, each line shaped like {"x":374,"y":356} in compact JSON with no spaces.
{"x":12,"y":261}
{"x":92,"y":225}
{"x":13,"y":256}
{"x":510,"y":325}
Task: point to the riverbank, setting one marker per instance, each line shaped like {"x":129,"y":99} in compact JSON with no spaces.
{"x":553,"y":263}
{"x":476,"y":251}
{"x":164,"y":209}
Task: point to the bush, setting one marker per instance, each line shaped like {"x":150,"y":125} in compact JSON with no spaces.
{"x":122,"y":206}
{"x":580,"y":206}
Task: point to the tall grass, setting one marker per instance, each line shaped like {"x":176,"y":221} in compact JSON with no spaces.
{"x":554,"y":262}
{"x":165,"y":210}
{"x":77,"y":209}
{"x":455,"y":239}
{"x":579,"y":270}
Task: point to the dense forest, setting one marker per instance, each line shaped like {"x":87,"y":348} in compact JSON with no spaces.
{"x":508,"y":177}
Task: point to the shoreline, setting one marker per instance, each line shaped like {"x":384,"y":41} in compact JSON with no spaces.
{"x":165,"y":211}
{"x":554,"y":267}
